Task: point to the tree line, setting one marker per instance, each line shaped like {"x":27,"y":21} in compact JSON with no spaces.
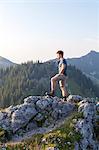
{"x":30,"y":78}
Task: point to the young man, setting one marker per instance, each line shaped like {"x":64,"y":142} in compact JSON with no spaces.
{"x":61,"y":76}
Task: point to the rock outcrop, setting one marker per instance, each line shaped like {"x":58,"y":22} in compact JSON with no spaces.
{"x":38,"y":113}
{"x":35,"y":112}
{"x":86,"y":125}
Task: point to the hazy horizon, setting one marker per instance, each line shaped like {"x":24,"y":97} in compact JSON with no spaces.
{"x":47,"y":59}
{"x":35,"y":30}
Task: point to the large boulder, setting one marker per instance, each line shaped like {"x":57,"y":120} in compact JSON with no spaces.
{"x":21,"y":116}
{"x":35,"y":112}
{"x":86,"y":125}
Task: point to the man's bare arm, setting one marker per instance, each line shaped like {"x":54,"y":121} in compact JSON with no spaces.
{"x":62,"y":69}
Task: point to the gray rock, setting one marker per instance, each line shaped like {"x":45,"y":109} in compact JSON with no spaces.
{"x":89,"y":111}
{"x":3,"y":115}
{"x":67,"y":107}
{"x":74,"y":98}
{"x":31,"y":126}
{"x":34,"y":109}
{"x":76,"y":146}
{"x":31,"y":99}
{"x":39,"y":117}
{"x":5,"y":124}
{"x":42,"y":104}
{"x":54,"y":104}
{"x":55,"y":114}
{"x":25,"y":118}
{"x":47,"y":123}
{"x":22,"y":116}
{"x":11,"y":109}
{"x":4,"y":121}
{"x":86,"y":125}
{"x":50,"y":100}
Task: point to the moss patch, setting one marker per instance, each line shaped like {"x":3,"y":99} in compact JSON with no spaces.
{"x":2,"y":135}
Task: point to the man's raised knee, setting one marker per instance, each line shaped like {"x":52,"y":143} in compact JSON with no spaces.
{"x":53,"y":79}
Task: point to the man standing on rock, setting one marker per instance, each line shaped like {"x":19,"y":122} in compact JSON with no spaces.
{"x":61,"y":76}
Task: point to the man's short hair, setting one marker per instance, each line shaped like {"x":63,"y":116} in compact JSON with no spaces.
{"x":60,"y":52}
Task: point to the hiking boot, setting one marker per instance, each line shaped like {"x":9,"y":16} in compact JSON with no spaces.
{"x":50,"y":94}
{"x":65,"y":97}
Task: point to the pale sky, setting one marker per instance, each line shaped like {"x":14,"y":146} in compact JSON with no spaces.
{"x":36,"y":29}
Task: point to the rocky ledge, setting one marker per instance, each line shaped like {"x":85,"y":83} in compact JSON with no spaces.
{"x":38,"y":113}
{"x":35,"y":112}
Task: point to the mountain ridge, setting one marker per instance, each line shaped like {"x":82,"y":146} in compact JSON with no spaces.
{"x":87,"y":64}
{"x":91,"y":52}
{"x":4,"y":63}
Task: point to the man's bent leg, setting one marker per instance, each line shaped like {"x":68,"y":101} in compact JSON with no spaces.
{"x":53,"y":85}
{"x":53,"y":82}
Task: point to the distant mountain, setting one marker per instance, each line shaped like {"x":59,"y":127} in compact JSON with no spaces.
{"x":4,"y":63}
{"x":89,"y":64}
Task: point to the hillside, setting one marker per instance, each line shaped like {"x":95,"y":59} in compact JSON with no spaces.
{"x":89,"y":64}
{"x":30,"y":78}
{"x":4,"y":63}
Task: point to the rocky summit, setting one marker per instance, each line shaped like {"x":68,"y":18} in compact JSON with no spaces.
{"x":42,"y":114}
{"x":36,"y":111}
